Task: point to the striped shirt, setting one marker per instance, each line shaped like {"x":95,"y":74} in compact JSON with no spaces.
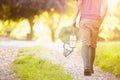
{"x":91,"y":9}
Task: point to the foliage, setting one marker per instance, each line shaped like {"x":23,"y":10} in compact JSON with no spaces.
{"x":52,"y":21}
{"x":117,"y":10}
{"x":66,"y":32}
{"x":15,"y":9}
{"x":110,"y":29}
{"x":108,"y":57}
{"x":7,"y":25}
{"x":33,"y":68}
{"x":28,"y":9}
{"x":49,"y":11}
{"x":111,"y":25}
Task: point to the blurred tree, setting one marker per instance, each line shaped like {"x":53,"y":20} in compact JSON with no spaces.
{"x":118,"y":10}
{"x":110,"y":28}
{"x":52,"y":20}
{"x":53,"y":17}
{"x":16,"y":9}
{"x":115,"y":11}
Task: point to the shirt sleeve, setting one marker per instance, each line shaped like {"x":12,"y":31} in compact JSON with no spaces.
{"x":104,"y":9}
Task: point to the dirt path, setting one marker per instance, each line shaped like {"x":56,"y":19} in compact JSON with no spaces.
{"x":73,"y":64}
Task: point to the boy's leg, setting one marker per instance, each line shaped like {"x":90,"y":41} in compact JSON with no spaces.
{"x":94,"y":36}
{"x":85,"y":36}
{"x":92,"y":57}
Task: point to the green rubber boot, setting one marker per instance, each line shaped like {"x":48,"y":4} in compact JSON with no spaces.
{"x":86,"y":60}
{"x":92,"y":58}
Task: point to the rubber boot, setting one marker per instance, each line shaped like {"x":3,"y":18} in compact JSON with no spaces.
{"x":92,"y":57}
{"x":86,"y":60}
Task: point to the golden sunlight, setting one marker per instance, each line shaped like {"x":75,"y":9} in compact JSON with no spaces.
{"x":112,"y":4}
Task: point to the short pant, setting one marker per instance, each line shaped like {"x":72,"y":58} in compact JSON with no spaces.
{"x":89,"y":30}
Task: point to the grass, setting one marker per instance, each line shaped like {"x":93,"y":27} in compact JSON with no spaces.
{"x":31,"y":67}
{"x":108,"y":57}
{"x":33,"y":50}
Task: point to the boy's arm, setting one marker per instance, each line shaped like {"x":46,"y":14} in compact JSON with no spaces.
{"x":104,"y":9}
{"x":76,"y":12}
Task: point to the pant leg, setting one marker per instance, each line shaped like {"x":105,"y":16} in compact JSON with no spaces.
{"x":94,"y":27}
{"x":85,"y":56}
{"x":95,"y":24}
{"x":86,"y":40}
{"x":85,"y":32}
{"x":89,"y":33}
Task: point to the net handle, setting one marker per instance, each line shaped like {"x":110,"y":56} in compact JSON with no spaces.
{"x":73,"y":30}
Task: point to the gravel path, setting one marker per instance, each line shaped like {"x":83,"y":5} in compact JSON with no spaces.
{"x":73,"y":64}
{"x":7,"y":56}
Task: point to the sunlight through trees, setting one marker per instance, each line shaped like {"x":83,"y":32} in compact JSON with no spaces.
{"x":20,"y":17}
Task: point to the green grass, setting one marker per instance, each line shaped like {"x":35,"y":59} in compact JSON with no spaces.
{"x":30,"y":67}
{"x":33,"y":50}
{"x":108,"y":57}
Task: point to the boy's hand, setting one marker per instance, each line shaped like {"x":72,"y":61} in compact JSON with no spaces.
{"x":74,"y":24}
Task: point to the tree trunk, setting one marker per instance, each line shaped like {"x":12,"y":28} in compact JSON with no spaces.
{"x":30,"y":35}
{"x":53,"y":28}
{"x":53,"y":34}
